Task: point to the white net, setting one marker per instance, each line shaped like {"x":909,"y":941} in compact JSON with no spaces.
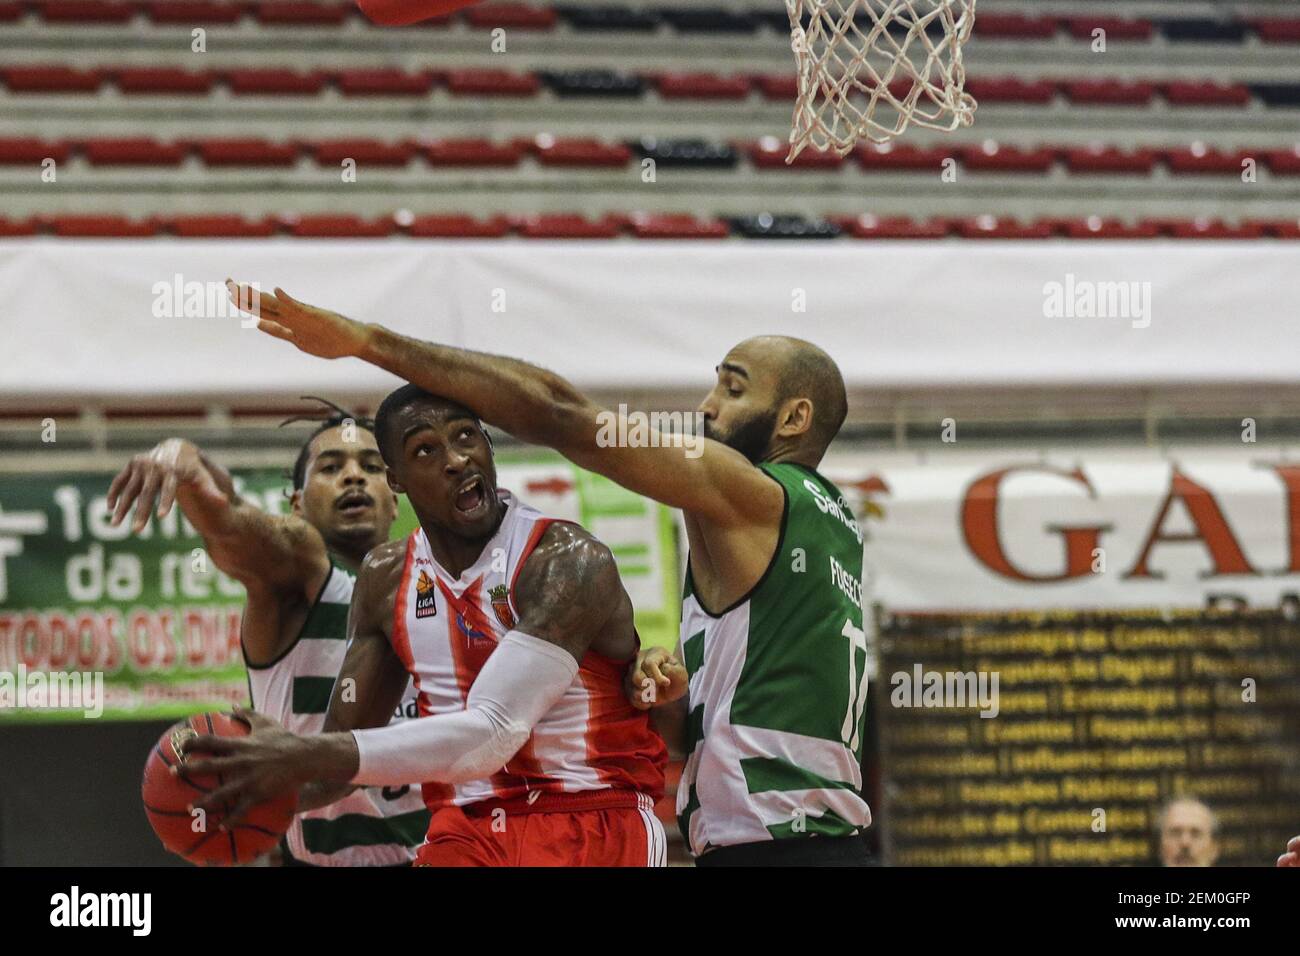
{"x":868,"y":69}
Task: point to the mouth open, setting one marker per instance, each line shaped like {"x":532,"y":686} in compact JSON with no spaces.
{"x":471,"y":498}
{"x":354,"y":503}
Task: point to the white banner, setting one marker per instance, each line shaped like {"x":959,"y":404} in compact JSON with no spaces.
{"x":1014,"y":531}
{"x":146,"y":318}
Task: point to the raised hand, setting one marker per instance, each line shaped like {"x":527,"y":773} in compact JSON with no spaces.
{"x":315,"y":331}
{"x":151,"y":479}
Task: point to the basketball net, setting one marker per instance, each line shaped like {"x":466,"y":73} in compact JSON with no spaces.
{"x":870,"y":68}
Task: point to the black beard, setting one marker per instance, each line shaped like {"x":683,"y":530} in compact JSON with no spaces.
{"x":751,"y":436}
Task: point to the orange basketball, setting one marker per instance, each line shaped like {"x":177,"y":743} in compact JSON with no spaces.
{"x":167,"y":797}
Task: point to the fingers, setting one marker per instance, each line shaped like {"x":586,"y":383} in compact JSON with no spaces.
{"x":119,"y":481}
{"x":207,"y":766}
{"x":168,"y":497}
{"x":275,"y":330}
{"x":250,"y":300}
{"x":127,"y":495}
{"x":146,"y":500}
{"x":222,"y":802}
{"x":211,"y":744}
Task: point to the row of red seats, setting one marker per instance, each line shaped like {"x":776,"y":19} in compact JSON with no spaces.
{"x":590,"y":153}
{"x":316,"y":13}
{"x":484,"y":82}
{"x":993,"y":25}
{"x":642,"y":226}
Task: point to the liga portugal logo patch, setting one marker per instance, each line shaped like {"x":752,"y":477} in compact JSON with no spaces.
{"x":425,"y":605}
{"x":501,"y":604}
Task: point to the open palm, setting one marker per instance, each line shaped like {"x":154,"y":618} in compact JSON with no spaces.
{"x":315,"y":331}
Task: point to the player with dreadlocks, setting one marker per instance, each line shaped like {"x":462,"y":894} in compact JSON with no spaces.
{"x":298,"y":571}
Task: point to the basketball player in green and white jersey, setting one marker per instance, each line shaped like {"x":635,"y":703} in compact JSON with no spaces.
{"x":298,"y":571}
{"x":771,"y":634}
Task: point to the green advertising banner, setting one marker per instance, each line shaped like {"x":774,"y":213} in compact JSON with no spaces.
{"x":97,"y":622}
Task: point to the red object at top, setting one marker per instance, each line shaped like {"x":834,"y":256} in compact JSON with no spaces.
{"x":398,"y":13}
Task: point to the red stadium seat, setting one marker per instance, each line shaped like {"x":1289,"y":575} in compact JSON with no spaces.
{"x":492,"y":83}
{"x":221,"y":227}
{"x":1010,"y":89}
{"x":1095,"y":227}
{"x":13,"y":228}
{"x":1278,"y":30}
{"x":385,"y":82}
{"x":472,"y":152}
{"x":10,"y":10}
{"x":102,"y":226}
{"x":30,"y":151}
{"x":1208,"y":229}
{"x":1276,"y":228}
{"x":366,"y":152}
{"x":277,"y":82}
{"x":1117,"y":28}
{"x":512,"y":16}
{"x":1097,"y":158}
{"x":899,"y":155}
{"x":302,"y":12}
{"x":246,"y":152}
{"x":339,"y":226}
{"x":580,"y":152}
{"x":1283,"y":162}
{"x":702,"y":86}
{"x":1206,"y":94}
{"x":86,"y":11}
{"x":166,"y":81}
{"x":1109,"y":93}
{"x":1201,"y":159}
{"x":196,"y":12}
{"x":770,"y":153}
{"x":867,"y":226}
{"x":565,"y":226}
{"x":994,"y":227}
{"x":676,"y":226}
{"x":139,"y":151}
{"x":454,"y":226}
{"x":399,"y":13}
{"x":995,"y":157}
{"x":1014,"y":26}
{"x":51,"y":79}
{"x":781,"y":86}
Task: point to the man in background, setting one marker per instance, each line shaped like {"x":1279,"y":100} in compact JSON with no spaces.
{"x":299,"y":571}
{"x":1188,"y":832}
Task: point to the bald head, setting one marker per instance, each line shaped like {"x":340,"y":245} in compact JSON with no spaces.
{"x":805,"y":371}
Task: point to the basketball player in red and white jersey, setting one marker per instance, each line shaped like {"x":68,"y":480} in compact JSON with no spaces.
{"x":517,"y":632}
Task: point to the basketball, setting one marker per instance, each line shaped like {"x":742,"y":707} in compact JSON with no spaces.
{"x":189,"y":835}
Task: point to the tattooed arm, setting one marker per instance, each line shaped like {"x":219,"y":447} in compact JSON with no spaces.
{"x":564,"y":596}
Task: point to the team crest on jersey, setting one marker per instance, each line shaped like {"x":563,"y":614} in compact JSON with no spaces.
{"x":501,"y":604}
{"x":425,"y":604}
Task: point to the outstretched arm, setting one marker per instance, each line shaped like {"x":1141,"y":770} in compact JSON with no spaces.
{"x":537,"y":406}
{"x":372,"y":679}
{"x":260,"y":551}
{"x":563,"y":599}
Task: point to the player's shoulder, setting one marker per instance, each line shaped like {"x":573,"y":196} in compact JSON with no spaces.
{"x":564,"y":544}
{"x":385,"y":560}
